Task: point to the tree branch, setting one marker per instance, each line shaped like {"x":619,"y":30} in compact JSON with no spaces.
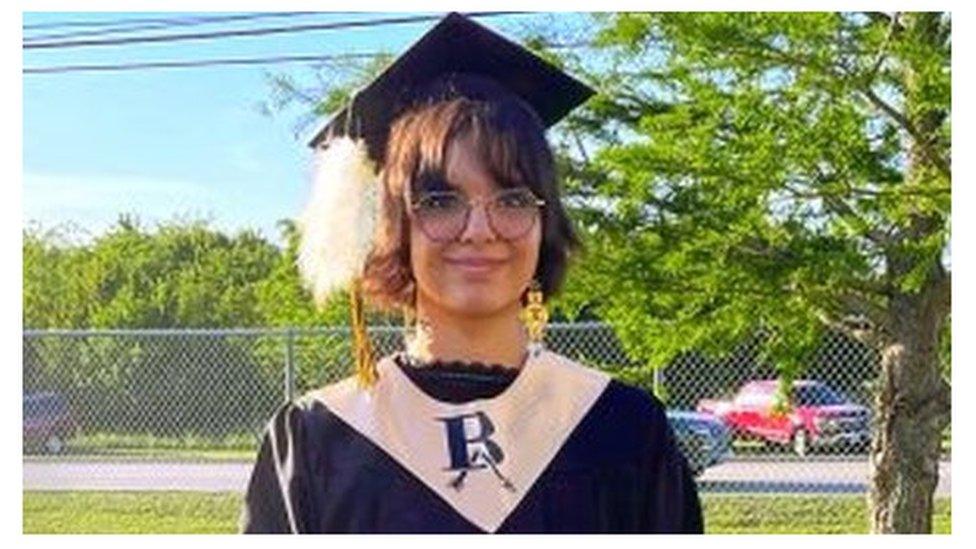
{"x":580,"y":147}
{"x":883,"y":50}
{"x":836,"y":204}
{"x":940,"y":163}
{"x":864,"y":87}
{"x":885,"y":19}
{"x":853,"y":329}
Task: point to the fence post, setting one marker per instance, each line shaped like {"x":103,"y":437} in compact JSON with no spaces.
{"x":657,"y":383}
{"x":289,"y":364}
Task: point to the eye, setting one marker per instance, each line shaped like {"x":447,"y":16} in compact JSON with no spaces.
{"x":516,"y":198}
{"x":439,"y":201}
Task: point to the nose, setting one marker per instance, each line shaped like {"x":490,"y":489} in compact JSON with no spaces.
{"x":478,"y":228}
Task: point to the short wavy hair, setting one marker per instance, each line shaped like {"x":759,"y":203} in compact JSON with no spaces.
{"x":511,"y":141}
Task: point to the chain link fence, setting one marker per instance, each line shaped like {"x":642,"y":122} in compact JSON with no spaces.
{"x":184,"y":410}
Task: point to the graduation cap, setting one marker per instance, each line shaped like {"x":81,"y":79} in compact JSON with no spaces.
{"x":460,"y":57}
{"x":456,"y":58}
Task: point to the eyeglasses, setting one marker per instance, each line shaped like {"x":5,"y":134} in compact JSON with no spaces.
{"x":443,"y":215}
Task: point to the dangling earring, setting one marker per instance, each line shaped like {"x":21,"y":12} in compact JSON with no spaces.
{"x":409,"y":330}
{"x":416,"y":332}
{"x":535,"y":316}
{"x":420,"y":338}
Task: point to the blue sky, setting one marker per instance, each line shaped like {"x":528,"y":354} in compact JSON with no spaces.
{"x":177,"y":142}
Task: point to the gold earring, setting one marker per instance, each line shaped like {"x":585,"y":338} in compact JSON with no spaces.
{"x":535,"y":316}
{"x":409,"y":330}
{"x":416,"y":331}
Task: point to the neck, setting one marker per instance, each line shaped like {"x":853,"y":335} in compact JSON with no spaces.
{"x":497,"y":339}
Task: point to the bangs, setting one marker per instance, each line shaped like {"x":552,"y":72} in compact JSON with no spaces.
{"x":504,"y":144}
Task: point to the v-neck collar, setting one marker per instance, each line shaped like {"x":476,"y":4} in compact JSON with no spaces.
{"x":481,"y":456}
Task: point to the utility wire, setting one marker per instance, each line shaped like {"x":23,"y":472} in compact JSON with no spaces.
{"x":250,"y":32}
{"x":166,"y":20}
{"x":134,"y":25}
{"x":197,"y":63}
{"x":118,"y":67}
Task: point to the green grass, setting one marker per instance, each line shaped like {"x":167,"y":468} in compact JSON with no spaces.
{"x":130,"y":512}
{"x":777,"y":514}
{"x":239,"y":447}
{"x":202,"y":513}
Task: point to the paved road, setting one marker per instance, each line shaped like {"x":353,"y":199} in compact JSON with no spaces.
{"x":136,"y":475}
{"x":741,"y":475}
{"x":800,"y":476}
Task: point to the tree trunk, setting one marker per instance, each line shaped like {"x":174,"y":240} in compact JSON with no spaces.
{"x":913,"y":402}
{"x":912,"y":411}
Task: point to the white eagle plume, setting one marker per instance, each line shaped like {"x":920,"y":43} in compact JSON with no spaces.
{"x":336,"y":227}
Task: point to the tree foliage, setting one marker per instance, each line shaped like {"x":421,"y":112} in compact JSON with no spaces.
{"x":182,"y":275}
{"x":751,"y":170}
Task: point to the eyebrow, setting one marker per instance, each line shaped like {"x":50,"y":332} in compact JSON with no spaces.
{"x":436,"y":181}
{"x":432,"y":181}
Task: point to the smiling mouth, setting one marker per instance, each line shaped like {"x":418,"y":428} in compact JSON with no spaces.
{"x":474,"y":265}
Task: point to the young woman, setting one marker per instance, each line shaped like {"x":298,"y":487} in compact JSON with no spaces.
{"x":475,"y":426}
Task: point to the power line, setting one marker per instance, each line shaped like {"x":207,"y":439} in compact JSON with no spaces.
{"x":133,"y":25}
{"x":250,"y":32}
{"x":120,"y":67}
{"x":166,"y":20}
{"x":196,"y":63}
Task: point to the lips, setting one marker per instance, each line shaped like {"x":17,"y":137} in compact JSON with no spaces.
{"x":474,"y":264}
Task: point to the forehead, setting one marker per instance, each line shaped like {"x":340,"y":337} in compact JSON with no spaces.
{"x":466,"y":169}
{"x":467,"y":165}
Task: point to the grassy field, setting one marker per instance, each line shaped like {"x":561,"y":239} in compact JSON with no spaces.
{"x":201,"y":513}
{"x":111,"y":446}
{"x":130,"y":512}
{"x":774,"y":514}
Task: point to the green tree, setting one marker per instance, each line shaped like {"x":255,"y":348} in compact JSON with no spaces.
{"x":282,"y":300}
{"x":56,"y":284}
{"x":184,"y":275}
{"x":783,"y":172}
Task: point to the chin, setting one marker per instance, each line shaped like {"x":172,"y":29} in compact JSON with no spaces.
{"x":475,"y":304}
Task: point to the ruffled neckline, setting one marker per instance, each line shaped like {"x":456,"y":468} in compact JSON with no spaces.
{"x":458,"y":366}
{"x":457,"y":381}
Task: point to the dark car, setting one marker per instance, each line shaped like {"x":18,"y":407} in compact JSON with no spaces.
{"x":703,"y":439}
{"x":47,"y":422}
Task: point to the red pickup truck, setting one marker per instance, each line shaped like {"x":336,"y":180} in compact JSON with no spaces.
{"x":816,"y":416}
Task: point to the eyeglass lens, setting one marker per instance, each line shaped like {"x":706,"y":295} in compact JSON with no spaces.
{"x":443,"y":215}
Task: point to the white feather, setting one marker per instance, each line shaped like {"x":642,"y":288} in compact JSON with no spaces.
{"x":336,"y":227}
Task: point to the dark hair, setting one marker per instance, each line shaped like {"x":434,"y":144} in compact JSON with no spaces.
{"x":511,"y":142}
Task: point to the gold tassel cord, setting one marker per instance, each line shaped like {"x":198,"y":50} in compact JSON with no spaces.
{"x":365,"y":365}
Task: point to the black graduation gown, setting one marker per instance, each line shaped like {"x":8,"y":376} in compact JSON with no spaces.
{"x":617,"y":469}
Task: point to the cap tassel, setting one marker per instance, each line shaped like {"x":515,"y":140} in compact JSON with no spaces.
{"x":363,"y":349}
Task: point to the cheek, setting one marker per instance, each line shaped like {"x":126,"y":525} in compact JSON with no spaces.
{"x":426,"y":264}
{"x":527,"y":252}
{"x":421,"y":255}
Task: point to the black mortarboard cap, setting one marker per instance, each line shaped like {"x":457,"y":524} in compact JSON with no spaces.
{"x":481,"y":59}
